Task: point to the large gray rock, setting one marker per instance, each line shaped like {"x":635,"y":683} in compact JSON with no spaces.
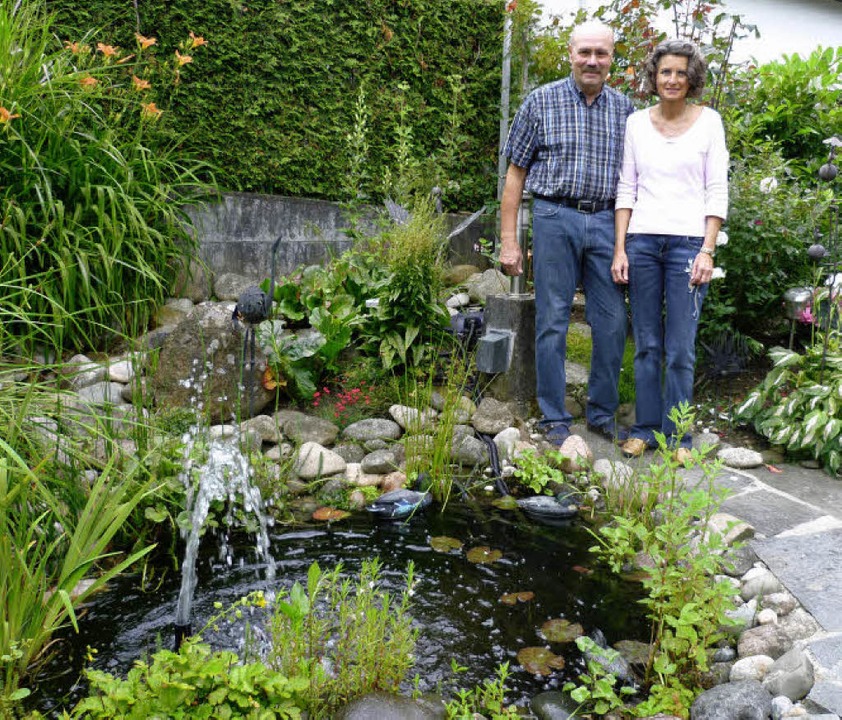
{"x":771,"y":640}
{"x":490,"y":282}
{"x":379,"y":462}
{"x":553,"y":705}
{"x":315,"y":461}
{"x":740,"y":458}
{"x":382,"y":706}
{"x":302,"y":428}
{"x":755,"y":667}
{"x":790,"y":675}
{"x":746,"y":700}
{"x":365,"y":431}
{"x":413,"y":419}
{"x":492,"y":417}
{"x":229,"y":286}
{"x":200,"y":361}
{"x":759,"y":581}
{"x":469,"y":452}
{"x":264,"y":427}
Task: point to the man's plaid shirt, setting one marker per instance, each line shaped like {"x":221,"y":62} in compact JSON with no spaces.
{"x":571,"y":149}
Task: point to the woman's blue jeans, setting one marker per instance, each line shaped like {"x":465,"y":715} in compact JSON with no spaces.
{"x":569,"y":248}
{"x":665,"y":314}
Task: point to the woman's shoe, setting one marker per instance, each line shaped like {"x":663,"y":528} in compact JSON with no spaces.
{"x":683,"y":455}
{"x":634,"y":447}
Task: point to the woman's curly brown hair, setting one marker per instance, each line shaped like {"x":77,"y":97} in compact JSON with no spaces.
{"x":696,"y":66}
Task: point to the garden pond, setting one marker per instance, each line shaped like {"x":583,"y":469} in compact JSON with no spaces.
{"x":457,"y":603}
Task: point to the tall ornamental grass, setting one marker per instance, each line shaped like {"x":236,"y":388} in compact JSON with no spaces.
{"x":92,"y":222}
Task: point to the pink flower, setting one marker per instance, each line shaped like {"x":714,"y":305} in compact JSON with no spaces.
{"x":806,"y":316}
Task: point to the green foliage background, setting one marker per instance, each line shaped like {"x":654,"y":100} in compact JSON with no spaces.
{"x":272,"y":102}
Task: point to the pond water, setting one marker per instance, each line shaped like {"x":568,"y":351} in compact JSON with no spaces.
{"x":456,"y":605}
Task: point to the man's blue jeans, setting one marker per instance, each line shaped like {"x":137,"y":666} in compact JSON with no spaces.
{"x":569,"y":248}
{"x":665,"y":314}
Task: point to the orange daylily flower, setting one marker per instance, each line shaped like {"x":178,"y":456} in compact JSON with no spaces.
{"x":107,"y":50}
{"x":196,"y":41}
{"x":140,"y":84}
{"x":76,"y":48}
{"x":182,"y":59}
{"x":88,"y":81}
{"x":6,"y":116}
{"x":145,"y":42}
{"x":150,"y":111}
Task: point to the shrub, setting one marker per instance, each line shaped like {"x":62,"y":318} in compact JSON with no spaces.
{"x":771,"y":222}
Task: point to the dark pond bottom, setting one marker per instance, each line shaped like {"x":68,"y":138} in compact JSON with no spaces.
{"x":456,"y":605}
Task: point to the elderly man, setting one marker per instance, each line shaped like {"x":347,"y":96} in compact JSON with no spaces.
{"x":565,"y":146}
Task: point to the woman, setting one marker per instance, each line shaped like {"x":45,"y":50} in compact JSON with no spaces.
{"x":672,"y":197}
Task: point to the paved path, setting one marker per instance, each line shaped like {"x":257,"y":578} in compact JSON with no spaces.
{"x":797,"y":517}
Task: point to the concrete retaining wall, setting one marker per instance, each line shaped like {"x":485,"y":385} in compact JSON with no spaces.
{"x":236,"y":234}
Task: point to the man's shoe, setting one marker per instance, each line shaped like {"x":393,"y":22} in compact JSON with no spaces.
{"x":634,"y":447}
{"x":610,"y":431}
{"x":558,"y":435}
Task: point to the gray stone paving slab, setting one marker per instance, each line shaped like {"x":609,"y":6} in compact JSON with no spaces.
{"x":811,"y":568}
{"x":770,"y":513}
{"x":813,"y":486}
{"x":828,"y":695}
{"x":828,"y":653}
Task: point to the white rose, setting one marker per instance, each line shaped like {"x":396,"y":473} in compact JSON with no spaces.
{"x":721,"y":238}
{"x":718,"y":273}
{"x":768,"y":185}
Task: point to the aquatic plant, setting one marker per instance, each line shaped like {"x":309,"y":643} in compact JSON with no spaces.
{"x":684,"y":602}
{"x":346,"y":638}
{"x":487,"y":700}
{"x":51,"y":558}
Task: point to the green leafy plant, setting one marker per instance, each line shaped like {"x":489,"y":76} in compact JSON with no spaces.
{"x":344,"y":638}
{"x":487,"y":700}
{"x":683,"y":600}
{"x":797,"y":404}
{"x":409,"y":322}
{"x":537,"y":471}
{"x":195,"y":682}
{"x":596,"y":691}
{"x":46,"y":552}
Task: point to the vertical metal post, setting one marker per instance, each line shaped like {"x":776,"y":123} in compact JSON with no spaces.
{"x":505,"y":84}
{"x":518,"y":282}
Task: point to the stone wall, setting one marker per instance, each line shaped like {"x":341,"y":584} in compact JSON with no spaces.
{"x":236,"y":234}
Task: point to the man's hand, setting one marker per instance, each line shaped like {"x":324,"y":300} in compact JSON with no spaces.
{"x":511,"y":258}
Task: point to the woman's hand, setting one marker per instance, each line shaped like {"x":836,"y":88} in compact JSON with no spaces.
{"x":620,"y":268}
{"x":702,"y":269}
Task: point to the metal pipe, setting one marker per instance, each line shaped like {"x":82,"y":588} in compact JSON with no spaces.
{"x":517,"y":284}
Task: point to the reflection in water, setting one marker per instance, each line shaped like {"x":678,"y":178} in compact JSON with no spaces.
{"x":456,"y":604}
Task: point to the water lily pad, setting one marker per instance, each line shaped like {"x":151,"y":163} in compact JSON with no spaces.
{"x":516,"y":597}
{"x":561,"y":630}
{"x":483,"y":554}
{"x":329,"y":514}
{"x":507,"y":502}
{"x":444,"y":544}
{"x":539,"y":660}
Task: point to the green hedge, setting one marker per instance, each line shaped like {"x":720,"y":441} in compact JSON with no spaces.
{"x":271,"y":99}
